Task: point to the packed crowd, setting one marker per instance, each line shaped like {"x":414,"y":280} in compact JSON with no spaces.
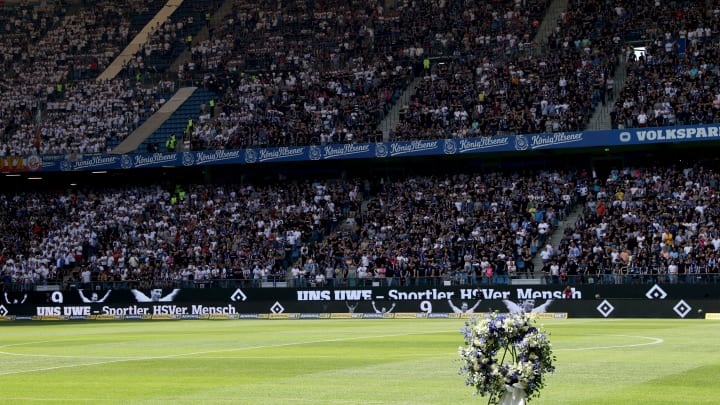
{"x":321,"y":76}
{"x":638,"y":225}
{"x":468,"y":228}
{"x":171,"y":37}
{"x":643,"y":224}
{"x":363,"y":56}
{"x":49,"y":56}
{"x":302,"y":108}
{"x":675,"y":80}
{"x":513,"y":88}
{"x":19,"y":31}
{"x":298,"y":73}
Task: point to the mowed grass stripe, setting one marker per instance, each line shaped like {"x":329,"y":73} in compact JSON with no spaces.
{"x":344,"y":362}
{"x":183,"y":347}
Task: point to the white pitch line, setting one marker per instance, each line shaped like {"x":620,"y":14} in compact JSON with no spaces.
{"x":55,"y":400}
{"x":36,"y":342}
{"x":169,"y":356}
{"x":58,"y":356}
{"x":654,"y":341}
{"x":390,"y":357}
{"x":216,"y":399}
{"x":53,"y":355}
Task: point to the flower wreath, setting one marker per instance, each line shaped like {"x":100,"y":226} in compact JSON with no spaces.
{"x":503,"y":351}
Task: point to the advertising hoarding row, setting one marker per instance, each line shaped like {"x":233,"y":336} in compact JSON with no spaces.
{"x":381,"y":150}
{"x":650,"y":301}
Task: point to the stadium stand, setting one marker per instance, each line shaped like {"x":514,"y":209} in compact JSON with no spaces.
{"x":414,"y":229}
{"x":321,"y":72}
{"x":673,"y":79}
{"x":52,"y":107}
{"x":458,"y":228}
{"x":268,"y":74}
{"x":638,"y":221}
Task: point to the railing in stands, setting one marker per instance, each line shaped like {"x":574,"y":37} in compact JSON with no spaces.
{"x":454,"y":280}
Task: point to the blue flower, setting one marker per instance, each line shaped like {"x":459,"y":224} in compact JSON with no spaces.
{"x":505,"y":349}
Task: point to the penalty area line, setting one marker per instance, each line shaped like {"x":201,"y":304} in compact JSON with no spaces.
{"x":56,"y":400}
{"x":170,"y":356}
{"x":653,"y":341}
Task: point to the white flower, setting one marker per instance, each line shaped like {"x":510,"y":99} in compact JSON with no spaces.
{"x":525,"y":353}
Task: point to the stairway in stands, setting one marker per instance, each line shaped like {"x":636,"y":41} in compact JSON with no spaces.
{"x":140,"y":39}
{"x":399,"y":106}
{"x":549,"y":22}
{"x":600,"y":119}
{"x":171,"y":119}
{"x":555,"y":239}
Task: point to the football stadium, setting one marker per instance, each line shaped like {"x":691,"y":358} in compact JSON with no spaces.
{"x":309,"y":202}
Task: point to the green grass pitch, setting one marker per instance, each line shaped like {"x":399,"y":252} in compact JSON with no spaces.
{"x":351,"y":361}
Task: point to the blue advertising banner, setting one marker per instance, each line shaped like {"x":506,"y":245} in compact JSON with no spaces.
{"x":668,"y":134}
{"x":460,"y":146}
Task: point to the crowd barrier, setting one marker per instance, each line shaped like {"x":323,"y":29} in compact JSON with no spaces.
{"x":449,"y":280}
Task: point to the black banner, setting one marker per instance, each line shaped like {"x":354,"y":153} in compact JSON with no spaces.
{"x":661,"y":301}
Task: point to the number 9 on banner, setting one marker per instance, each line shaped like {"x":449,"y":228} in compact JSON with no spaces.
{"x":426,"y":306}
